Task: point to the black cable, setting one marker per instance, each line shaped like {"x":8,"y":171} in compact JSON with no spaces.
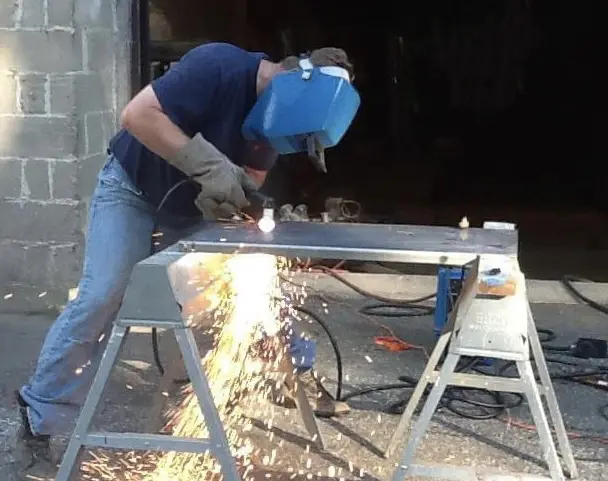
{"x":567,"y":282}
{"x":386,"y":307}
{"x":452,"y":400}
{"x":153,"y":250}
{"x":454,"y":396}
{"x":397,"y":310}
{"x":385,"y":300}
{"x":332,"y":340}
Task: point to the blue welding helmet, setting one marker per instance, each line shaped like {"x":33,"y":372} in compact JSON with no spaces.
{"x":304,"y":110}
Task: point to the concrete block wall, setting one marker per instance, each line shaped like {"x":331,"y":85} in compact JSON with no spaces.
{"x":64,"y":76}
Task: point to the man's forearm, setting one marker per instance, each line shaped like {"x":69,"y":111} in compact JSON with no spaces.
{"x":157,"y":132}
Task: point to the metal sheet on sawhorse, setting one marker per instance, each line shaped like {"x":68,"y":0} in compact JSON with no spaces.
{"x":158,"y":297}
{"x":408,"y":244}
{"x":500,"y":328}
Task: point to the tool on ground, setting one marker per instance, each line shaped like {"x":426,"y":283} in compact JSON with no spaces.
{"x":307,"y":110}
{"x":496,"y":325}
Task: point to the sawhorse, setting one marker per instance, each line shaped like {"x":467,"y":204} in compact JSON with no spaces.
{"x":216,"y":443}
{"x":151,"y":302}
{"x":500,"y":328}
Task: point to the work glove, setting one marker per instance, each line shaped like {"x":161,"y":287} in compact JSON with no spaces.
{"x":223,"y":184}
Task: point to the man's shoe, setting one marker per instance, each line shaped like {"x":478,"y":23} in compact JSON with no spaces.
{"x":33,"y":456}
{"x":322,"y":403}
{"x":41,"y":441}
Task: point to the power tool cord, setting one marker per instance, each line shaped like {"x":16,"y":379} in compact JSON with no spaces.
{"x":154,"y":250}
{"x":568,"y":281}
{"x":455,"y":398}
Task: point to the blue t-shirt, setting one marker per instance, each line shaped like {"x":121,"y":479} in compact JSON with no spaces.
{"x":209,"y":91}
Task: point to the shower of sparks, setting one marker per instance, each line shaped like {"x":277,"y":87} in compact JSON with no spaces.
{"x":243,"y":294}
{"x":248,"y":312}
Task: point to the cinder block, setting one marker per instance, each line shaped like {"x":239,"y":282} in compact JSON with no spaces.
{"x":10,"y":178}
{"x":89,"y":168}
{"x":93,"y":13}
{"x":61,"y":91}
{"x":37,"y":259}
{"x":37,"y":179}
{"x":81,"y":137}
{"x":12,"y":261}
{"x":84,"y":218}
{"x":7,"y":13}
{"x":66,"y":263}
{"x":100,"y":46}
{"x":123,"y":51}
{"x":33,"y":13}
{"x":61,"y":13}
{"x":108,"y":120}
{"x":54,"y":51}
{"x":36,"y":222}
{"x":51,"y":137}
{"x":32,"y":93}
{"x":80,"y":92}
{"x":90,"y":94}
{"x":64,"y":176}
{"x":8,"y":96}
{"x":95,"y":133}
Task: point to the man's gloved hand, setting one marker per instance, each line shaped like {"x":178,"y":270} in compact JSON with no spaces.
{"x":213,"y":210}
{"x":223,"y":184}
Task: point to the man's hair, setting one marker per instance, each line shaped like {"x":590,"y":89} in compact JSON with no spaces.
{"x":322,"y":57}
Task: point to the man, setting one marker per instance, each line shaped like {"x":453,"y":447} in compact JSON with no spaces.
{"x":185,"y":124}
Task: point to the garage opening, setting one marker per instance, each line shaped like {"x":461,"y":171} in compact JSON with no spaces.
{"x":493,"y":110}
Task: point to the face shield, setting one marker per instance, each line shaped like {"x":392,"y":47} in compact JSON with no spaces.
{"x":304,"y":110}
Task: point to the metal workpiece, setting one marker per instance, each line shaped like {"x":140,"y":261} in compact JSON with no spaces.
{"x":410,"y":244}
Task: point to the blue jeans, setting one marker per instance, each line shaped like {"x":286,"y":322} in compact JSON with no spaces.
{"x":119,"y":233}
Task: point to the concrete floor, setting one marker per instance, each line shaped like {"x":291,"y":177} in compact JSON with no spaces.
{"x":352,"y":442}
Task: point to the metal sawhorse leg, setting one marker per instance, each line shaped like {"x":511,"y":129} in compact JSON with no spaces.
{"x":462,"y":338}
{"x":216,"y":444}
{"x":164,"y":281}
